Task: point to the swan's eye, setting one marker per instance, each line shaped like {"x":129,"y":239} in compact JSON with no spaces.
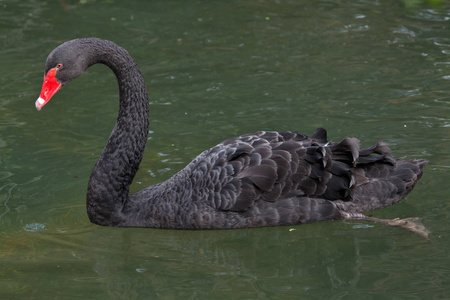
{"x":59,"y":66}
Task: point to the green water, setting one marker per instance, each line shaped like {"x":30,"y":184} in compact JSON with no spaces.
{"x":215,"y":69}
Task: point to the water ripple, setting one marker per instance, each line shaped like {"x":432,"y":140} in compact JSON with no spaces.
{"x":5,"y":192}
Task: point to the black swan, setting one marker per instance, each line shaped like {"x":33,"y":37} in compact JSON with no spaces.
{"x":254,"y":180}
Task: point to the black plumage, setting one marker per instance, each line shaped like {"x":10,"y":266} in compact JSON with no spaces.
{"x":258,"y":179}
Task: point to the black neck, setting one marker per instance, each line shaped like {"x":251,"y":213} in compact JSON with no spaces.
{"x":108,"y":187}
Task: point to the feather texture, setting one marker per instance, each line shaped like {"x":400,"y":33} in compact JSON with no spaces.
{"x":285,"y":178}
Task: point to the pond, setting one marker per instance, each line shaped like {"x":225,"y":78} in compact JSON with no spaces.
{"x":374,"y":70}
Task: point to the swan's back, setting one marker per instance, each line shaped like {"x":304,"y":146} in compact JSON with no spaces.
{"x":284,"y":178}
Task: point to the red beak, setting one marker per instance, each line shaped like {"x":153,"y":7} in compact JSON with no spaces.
{"x":49,"y":88}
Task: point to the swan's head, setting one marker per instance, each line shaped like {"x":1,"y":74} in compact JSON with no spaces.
{"x":66,"y":62}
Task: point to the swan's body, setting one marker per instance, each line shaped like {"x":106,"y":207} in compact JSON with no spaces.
{"x":255,"y":180}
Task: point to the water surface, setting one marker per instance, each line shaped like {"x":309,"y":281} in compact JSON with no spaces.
{"x":375,"y":70}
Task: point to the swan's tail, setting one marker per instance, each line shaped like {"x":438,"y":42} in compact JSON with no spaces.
{"x":382,"y":191}
{"x":384,"y":188}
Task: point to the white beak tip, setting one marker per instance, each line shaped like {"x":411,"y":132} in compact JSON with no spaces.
{"x":39,"y":103}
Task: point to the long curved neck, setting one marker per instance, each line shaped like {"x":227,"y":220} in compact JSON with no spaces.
{"x":108,"y":187}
